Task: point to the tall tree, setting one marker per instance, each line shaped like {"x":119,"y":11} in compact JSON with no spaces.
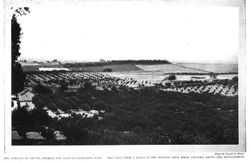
{"x":17,"y":74}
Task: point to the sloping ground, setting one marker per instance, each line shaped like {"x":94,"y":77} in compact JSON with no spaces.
{"x":167,"y":68}
{"x":122,"y":67}
{"x":216,"y":68}
{"x":170,"y":68}
{"x":139,"y":117}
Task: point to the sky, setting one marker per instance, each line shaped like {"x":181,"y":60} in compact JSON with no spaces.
{"x":131,"y":30}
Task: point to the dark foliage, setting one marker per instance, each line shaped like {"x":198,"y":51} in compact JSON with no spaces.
{"x":88,"y":86}
{"x":17,"y":78}
{"x":146,"y":117}
{"x":34,"y":120}
{"x":118,"y":62}
{"x":17,"y":75}
{"x":42,"y":89}
{"x":147,"y":62}
{"x":64,"y":85}
{"x":15,"y":38}
{"x":21,"y":117}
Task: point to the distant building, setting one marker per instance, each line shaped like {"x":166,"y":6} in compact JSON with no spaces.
{"x":25,"y":99}
{"x":25,"y":96}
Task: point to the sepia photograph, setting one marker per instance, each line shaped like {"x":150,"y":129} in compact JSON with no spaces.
{"x":126,"y":73}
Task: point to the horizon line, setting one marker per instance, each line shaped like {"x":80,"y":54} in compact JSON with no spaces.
{"x":100,"y":60}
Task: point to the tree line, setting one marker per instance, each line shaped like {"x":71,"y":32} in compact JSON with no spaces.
{"x":118,"y":62}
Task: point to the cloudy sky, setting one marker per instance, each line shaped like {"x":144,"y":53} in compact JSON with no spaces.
{"x":130,"y":30}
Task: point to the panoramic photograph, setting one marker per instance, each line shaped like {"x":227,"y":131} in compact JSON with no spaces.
{"x":124,"y":73}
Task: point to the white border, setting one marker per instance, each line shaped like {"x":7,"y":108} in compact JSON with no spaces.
{"x":118,"y":150}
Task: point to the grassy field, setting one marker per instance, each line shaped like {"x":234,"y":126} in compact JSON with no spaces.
{"x":122,"y":67}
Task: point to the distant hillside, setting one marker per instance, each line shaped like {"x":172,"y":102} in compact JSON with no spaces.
{"x":117,"y":62}
{"x":35,"y":65}
{"x":101,"y":68}
{"x":52,"y":63}
{"x":40,"y":63}
{"x":142,"y":62}
{"x":112,"y":65}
